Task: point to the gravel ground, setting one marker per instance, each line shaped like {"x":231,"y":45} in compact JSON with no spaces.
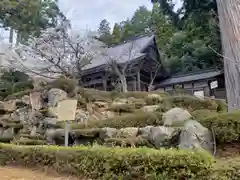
{"x":16,"y":173}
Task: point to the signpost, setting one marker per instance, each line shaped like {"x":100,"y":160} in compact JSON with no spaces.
{"x":199,"y":94}
{"x":66,"y":112}
{"x":214,"y":84}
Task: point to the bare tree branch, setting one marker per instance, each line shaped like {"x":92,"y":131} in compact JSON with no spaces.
{"x":58,"y":51}
{"x":121,"y":68}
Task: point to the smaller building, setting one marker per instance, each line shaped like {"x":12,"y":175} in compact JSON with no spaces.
{"x":208,"y":82}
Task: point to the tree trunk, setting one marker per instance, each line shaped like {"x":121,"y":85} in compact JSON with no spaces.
{"x":18,"y":38}
{"x":229,"y":17}
{"x":11,"y":36}
{"x":123,"y":83}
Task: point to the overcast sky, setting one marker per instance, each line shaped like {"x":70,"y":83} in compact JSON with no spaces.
{"x":87,"y":14}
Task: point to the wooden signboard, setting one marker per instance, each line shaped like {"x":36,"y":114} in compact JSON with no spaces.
{"x":199,"y":94}
{"x":67,"y":110}
{"x":214,"y":84}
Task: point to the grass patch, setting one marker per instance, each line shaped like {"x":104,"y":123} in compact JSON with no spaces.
{"x":228,"y":168}
{"x":99,"y":162}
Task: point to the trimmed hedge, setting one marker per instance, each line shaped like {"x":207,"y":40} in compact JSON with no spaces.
{"x":121,"y":108}
{"x":138,"y":119}
{"x":203,"y":113}
{"x":93,"y":94}
{"x":128,"y":142}
{"x":27,"y":141}
{"x":225,"y":125}
{"x":190,"y":102}
{"x":112,"y":163}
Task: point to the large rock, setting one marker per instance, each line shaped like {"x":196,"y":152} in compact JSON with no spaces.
{"x":8,"y":133}
{"x":107,"y":133}
{"x":1,"y":131}
{"x":26,"y":99}
{"x":161,"y":136}
{"x":52,"y":112}
{"x":21,"y":114}
{"x":150,"y":108}
{"x":5,"y":117}
{"x":10,"y":106}
{"x":145,"y":131}
{"x":176,"y":117}
{"x":52,"y":135}
{"x":55,"y":95}
{"x":195,"y":136}
{"x":36,"y":100}
{"x":81,"y":116}
{"x":35,"y":117}
{"x":33,"y":131}
{"x":128,"y":132}
{"x":49,"y":122}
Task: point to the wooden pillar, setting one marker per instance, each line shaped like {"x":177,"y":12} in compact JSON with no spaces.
{"x":138,"y":81}
{"x":105,"y":78}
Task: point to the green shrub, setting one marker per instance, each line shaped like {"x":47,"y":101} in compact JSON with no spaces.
{"x":6,"y":139}
{"x":128,"y":142}
{"x":226,"y":126}
{"x":26,"y":141}
{"x":94,"y":132}
{"x":14,"y":82}
{"x":94,"y":94}
{"x":36,"y":137}
{"x":221,"y":106}
{"x":113,"y":163}
{"x":203,"y":113}
{"x":25,"y":92}
{"x":142,"y":94}
{"x":139,"y":119}
{"x":190,"y":102}
{"x":138,"y":103}
{"x":121,"y":108}
{"x":91,"y":95}
{"x":67,"y":85}
{"x":152,"y":100}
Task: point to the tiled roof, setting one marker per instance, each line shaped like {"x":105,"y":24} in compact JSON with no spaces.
{"x":123,"y":52}
{"x":190,"y":77}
